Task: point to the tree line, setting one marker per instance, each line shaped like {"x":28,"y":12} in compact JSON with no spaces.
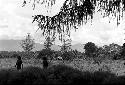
{"x":112,"y":51}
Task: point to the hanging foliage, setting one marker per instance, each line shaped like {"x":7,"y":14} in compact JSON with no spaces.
{"x":75,"y":13}
{"x":35,"y":2}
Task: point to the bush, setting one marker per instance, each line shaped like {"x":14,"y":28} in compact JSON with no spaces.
{"x":120,"y":80}
{"x":4,"y":74}
{"x":61,"y":74}
{"x":29,"y":75}
{"x":68,"y":55}
{"x":90,"y":49}
{"x":57,"y":74}
{"x":45,"y":52}
{"x":14,"y":56}
{"x":117,"y":57}
{"x":96,"y":77}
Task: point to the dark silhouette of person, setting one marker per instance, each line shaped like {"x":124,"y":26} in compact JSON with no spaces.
{"x":19,"y":63}
{"x":45,"y":62}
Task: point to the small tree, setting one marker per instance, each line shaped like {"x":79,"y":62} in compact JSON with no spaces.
{"x":106,"y":51}
{"x":112,"y":51}
{"x":28,"y":43}
{"x":90,"y":49}
{"x":66,"y":46}
{"x":99,"y":55}
{"x":115,"y":50}
{"x":123,"y":51}
{"x":75,"y":52}
{"x":49,"y":42}
{"x":45,"y":52}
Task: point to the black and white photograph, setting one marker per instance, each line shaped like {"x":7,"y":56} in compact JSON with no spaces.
{"x":62,"y":42}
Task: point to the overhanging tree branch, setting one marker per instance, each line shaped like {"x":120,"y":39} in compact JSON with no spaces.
{"x":75,"y":13}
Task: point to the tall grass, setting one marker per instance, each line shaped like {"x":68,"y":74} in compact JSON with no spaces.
{"x":62,"y":74}
{"x":57,"y":74}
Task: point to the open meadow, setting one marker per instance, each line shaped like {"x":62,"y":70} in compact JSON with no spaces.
{"x":77,"y":70}
{"x":113,"y":66}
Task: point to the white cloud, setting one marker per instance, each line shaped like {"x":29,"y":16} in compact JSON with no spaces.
{"x":100,"y":32}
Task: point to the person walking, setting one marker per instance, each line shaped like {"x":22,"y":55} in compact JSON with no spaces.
{"x":45,"y":62}
{"x":19,"y":63}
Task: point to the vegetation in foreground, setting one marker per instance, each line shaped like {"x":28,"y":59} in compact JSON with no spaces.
{"x":57,"y":74}
{"x":92,"y":69}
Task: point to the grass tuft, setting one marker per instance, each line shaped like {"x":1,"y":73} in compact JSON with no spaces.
{"x":57,"y":74}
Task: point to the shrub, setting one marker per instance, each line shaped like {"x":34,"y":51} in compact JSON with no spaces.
{"x":30,"y":75}
{"x":14,"y":56}
{"x":1,"y":56}
{"x":61,"y":74}
{"x":68,"y":55}
{"x":118,"y":80}
{"x":3,"y":77}
{"x":45,"y":52}
{"x":57,"y":74}
{"x":90,"y":49}
{"x":96,"y":77}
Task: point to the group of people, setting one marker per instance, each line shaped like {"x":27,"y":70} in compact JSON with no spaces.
{"x":19,"y":63}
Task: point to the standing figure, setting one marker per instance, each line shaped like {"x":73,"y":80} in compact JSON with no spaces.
{"x":19,"y":63}
{"x":45,"y":62}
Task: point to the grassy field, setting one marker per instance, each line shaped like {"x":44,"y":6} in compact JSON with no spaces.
{"x":116,"y":66}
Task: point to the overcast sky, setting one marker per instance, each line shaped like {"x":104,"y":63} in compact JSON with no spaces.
{"x":16,"y":22}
